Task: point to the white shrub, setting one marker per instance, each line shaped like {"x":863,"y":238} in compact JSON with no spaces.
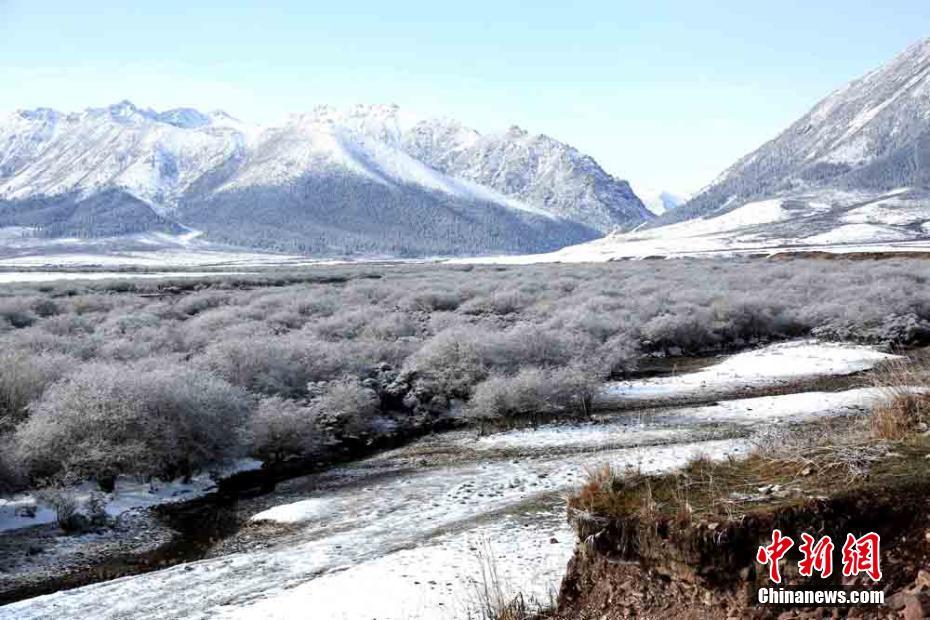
{"x":110,"y":419}
{"x":281,"y":428}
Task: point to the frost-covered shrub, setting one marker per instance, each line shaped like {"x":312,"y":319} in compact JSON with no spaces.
{"x":747,"y":321}
{"x":44,"y":307}
{"x":36,"y":340}
{"x":345,"y":325}
{"x":64,"y":325}
{"x":277,"y":366}
{"x":390,"y":326}
{"x":691,"y":333}
{"x":500,"y":303}
{"x":526,"y":344}
{"x":451,"y":362}
{"x":16,"y":312}
{"x":130,"y":323}
{"x":11,"y":474}
{"x":23,"y":378}
{"x":618,"y":356}
{"x":280,"y":429}
{"x":111,"y":419}
{"x":532,"y":392}
{"x":432,"y":301}
{"x":510,"y":396}
{"x":195,"y":303}
{"x":894,"y":329}
{"x":93,"y":303}
{"x":314,"y":304}
{"x":348,"y":406}
{"x":73,"y":514}
{"x":145,"y":342}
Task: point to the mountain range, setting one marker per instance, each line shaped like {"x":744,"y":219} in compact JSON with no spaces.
{"x":852,"y":173}
{"x":361,"y":180}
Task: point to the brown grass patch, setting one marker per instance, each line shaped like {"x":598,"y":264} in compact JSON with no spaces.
{"x":905,"y":408}
{"x":765,"y":479}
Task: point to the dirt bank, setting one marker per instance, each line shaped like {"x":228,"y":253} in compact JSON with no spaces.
{"x":685,"y":544}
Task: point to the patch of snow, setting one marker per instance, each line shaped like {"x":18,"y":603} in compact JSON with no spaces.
{"x":604,"y":435}
{"x":306,"y":510}
{"x":778,"y":363}
{"x":23,"y":510}
{"x":866,"y":116}
{"x":859,"y":233}
{"x":802,"y":407}
{"x":854,"y":152}
{"x":888,"y":212}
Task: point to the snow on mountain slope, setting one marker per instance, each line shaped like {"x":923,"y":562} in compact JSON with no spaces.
{"x":535,"y":169}
{"x":871,"y":135}
{"x":155,"y":157}
{"x":367,"y":144}
{"x":315,"y":166}
{"x":821,"y":221}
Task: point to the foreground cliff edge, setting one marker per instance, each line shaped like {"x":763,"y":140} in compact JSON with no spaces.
{"x":685,"y":543}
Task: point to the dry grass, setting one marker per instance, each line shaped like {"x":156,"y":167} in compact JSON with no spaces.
{"x":786,"y":465}
{"x":494,"y":598}
{"x":906,"y":406}
{"x":843,"y":458}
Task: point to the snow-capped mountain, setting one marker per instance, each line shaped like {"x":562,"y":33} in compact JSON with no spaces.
{"x":153,"y":156}
{"x":872,"y":135}
{"x":360,"y":179}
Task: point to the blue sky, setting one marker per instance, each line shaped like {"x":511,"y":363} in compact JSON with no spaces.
{"x":664,"y":93}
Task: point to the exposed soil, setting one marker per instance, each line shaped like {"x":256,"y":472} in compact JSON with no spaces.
{"x":650,"y":564}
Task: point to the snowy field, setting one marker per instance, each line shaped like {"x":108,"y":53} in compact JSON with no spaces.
{"x":411,"y":528}
{"x":827,"y":221}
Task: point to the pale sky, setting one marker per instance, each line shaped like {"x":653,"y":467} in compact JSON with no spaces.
{"x":664,"y":93}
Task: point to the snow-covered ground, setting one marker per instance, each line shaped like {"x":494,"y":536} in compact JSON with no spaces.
{"x":21,"y":248}
{"x":768,"y":366}
{"x":404,"y":534}
{"x":13,"y":277}
{"x":823,"y":221}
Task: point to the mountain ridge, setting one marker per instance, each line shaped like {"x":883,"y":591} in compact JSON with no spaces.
{"x":179,"y":161}
{"x":870,"y":134}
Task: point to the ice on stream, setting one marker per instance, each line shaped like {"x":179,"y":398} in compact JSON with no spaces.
{"x":28,"y":509}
